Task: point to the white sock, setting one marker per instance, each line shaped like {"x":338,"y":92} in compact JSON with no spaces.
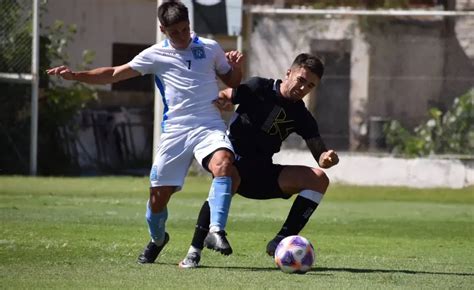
{"x":312,"y":195}
{"x":194,"y":250}
{"x":213,"y":229}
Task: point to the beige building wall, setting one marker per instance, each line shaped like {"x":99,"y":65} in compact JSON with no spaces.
{"x":100,"y":23}
{"x":400,"y":67}
{"x":390,"y":76}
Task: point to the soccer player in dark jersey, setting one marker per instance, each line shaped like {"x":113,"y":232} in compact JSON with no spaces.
{"x":268,"y":112}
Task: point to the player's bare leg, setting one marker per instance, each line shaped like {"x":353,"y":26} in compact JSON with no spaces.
{"x":156,"y":216}
{"x":201,"y":237}
{"x":219,"y":199}
{"x":310,"y":184}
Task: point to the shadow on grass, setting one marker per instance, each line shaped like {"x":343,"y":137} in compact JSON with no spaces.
{"x":355,"y":270}
{"x":321,"y":270}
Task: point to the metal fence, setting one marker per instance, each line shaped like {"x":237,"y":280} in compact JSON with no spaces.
{"x":16,"y":40}
{"x":19,"y":47}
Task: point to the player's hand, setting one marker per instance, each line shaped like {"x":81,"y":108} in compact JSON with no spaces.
{"x":223,"y":102}
{"x":223,"y":105}
{"x":235,"y":58}
{"x":62,"y":71}
{"x":328,"y":159}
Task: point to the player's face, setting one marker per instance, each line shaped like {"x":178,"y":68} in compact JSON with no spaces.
{"x":179,"y":34}
{"x":298,"y":83}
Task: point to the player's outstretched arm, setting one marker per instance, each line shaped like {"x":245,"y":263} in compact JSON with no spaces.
{"x":98,"y":76}
{"x":325,"y":158}
{"x":234,"y":76}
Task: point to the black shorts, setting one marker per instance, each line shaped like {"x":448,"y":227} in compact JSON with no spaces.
{"x":259,"y":178}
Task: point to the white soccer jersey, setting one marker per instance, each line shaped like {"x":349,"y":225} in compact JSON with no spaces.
{"x":186,"y":79}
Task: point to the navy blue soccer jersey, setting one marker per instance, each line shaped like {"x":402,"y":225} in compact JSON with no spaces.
{"x":264,"y":119}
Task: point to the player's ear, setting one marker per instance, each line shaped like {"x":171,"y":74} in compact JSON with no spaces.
{"x":288,"y":73}
{"x":162,"y":29}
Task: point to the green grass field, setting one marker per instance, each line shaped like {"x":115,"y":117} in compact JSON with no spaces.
{"x":87,"y":233}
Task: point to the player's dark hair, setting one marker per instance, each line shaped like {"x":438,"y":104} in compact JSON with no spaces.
{"x":172,"y":12}
{"x":311,"y":62}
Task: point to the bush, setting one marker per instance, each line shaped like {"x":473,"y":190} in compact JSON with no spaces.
{"x":448,"y":133}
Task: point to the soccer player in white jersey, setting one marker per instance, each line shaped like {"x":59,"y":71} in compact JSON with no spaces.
{"x":185,"y":68}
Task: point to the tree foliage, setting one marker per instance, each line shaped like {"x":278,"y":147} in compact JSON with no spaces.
{"x":58,"y":103}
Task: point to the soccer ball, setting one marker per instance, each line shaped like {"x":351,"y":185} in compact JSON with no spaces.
{"x":294,"y":254}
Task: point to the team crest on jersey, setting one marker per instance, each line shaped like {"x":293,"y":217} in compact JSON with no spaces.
{"x":198,"y":52}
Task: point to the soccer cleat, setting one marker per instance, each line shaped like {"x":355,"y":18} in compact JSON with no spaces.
{"x":190,"y":261}
{"x":218,"y":242}
{"x":151,"y":251}
{"x":273,"y":244}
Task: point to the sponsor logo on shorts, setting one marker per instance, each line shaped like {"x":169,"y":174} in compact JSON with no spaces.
{"x":154,"y":173}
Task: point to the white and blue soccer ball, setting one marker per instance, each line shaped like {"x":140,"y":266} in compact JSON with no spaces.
{"x":295,"y":254}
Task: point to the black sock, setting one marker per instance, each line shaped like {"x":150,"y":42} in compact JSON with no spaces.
{"x":202,"y":226}
{"x":299,"y":214}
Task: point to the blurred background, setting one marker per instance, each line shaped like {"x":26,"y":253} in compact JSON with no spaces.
{"x":399,"y":76}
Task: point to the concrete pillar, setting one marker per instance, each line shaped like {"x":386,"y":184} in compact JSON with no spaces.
{"x":359,"y":92}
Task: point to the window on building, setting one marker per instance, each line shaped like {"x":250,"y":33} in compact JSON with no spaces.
{"x":123,"y":53}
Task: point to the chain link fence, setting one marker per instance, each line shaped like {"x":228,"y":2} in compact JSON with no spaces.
{"x":15,"y":38}
{"x":15,"y":84}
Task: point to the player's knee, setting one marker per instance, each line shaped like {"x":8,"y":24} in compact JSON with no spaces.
{"x":155,"y":206}
{"x":222,"y":168}
{"x":159,"y":199}
{"x":321,"y":180}
{"x":222,"y":163}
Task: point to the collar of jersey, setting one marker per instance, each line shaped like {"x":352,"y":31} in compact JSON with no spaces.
{"x":194,"y":37}
{"x":279,"y":97}
{"x":276,"y":89}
